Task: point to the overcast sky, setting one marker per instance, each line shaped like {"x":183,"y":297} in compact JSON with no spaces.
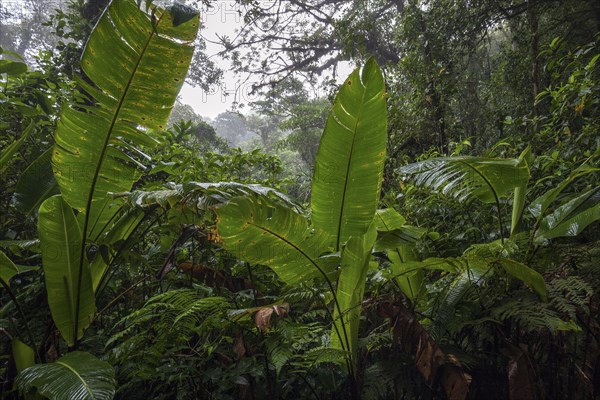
{"x":222,"y":20}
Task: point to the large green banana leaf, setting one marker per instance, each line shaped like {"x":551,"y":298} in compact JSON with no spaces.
{"x":137,"y":62}
{"x":67,"y":275}
{"x":349,"y":294}
{"x":349,"y":164}
{"x":263,"y":232}
{"x":463,"y":177}
{"x":572,"y":217}
{"x":35,"y":184}
{"x":76,"y":376}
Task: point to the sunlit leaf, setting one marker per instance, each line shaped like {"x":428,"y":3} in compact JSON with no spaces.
{"x":67,"y":276}
{"x":349,"y":163}
{"x":262,"y":232}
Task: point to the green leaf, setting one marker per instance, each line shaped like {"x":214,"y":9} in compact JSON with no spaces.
{"x":349,"y":163}
{"x":399,"y":241}
{"x":6,"y":157}
{"x":67,"y":276}
{"x":12,"y":67}
{"x":464,"y":177}
{"x":22,"y":354}
{"x":35,"y":184}
{"x":540,"y":205}
{"x":526,"y":275}
{"x":349,"y":293}
{"x":76,"y":376}
{"x":410,"y":282}
{"x":388,"y":219}
{"x":451,"y":265}
{"x":137,"y":63}
{"x":392,"y":231}
{"x":7,"y":268}
{"x":405,"y":235}
{"x":519,"y":195}
{"x":571,"y":218}
{"x":263,"y":232}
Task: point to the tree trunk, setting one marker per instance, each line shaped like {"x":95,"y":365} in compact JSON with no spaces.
{"x":534,"y":49}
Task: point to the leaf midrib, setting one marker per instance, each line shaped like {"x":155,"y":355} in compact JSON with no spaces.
{"x":101,"y":163}
{"x":84,"y":383}
{"x":344,"y":192}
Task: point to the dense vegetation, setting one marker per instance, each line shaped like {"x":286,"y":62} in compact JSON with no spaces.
{"x":427,"y":230}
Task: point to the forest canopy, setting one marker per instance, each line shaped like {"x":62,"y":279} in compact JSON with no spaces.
{"x":404,"y":205}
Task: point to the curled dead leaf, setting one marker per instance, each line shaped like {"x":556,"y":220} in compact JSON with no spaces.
{"x":262,"y":319}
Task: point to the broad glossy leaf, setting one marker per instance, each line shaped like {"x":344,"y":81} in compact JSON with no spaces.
{"x":526,"y":275}
{"x":410,"y":282}
{"x":349,"y":163}
{"x":22,"y":354}
{"x":572,"y":217}
{"x":349,"y":293}
{"x":7,"y":268}
{"x":393,"y":232}
{"x":399,"y":241}
{"x":263,"y":232}
{"x":137,"y":62}
{"x":67,"y":277}
{"x":388,"y":219}
{"x":463,"y":177}
{"x":539,"y":206}
{"x":35,"y":185}
{"x":405,"y":235}
{"x":76,"y":376}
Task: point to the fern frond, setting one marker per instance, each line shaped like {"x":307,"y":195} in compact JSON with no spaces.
{"x":531,"y":314}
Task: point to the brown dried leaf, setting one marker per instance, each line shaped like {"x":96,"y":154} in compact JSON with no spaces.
{"x":281,"y":309}
{"x":263,"y":318}
{"x":239,"y":348}
{"x":436,"y":367}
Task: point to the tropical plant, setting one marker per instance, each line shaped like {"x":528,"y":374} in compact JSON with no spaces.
{"x":77,"y":375}
{"x":345,"y":193}
{"x":100,"y":140}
